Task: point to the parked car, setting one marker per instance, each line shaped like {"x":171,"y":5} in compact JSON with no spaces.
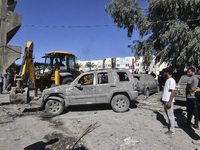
{"x":147,"y":84}
{"x":114,"y":87}
{"x":181,"y":88}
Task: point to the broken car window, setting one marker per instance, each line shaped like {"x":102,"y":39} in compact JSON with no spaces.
{"x":86,"y":79}
{"x":123,"y":76}
{"x":102,"y":78}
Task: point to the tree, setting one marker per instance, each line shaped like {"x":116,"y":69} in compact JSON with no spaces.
{"x":89,"y":65}
{"x":168,"y":29}
{"x":78,"y":66}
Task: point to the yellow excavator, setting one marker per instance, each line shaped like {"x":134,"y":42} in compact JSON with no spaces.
{"x":59,"y":68}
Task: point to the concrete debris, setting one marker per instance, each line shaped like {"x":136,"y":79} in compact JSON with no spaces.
{"x":128,"y":143}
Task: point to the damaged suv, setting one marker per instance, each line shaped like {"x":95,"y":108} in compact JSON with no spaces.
{"x":114,"y":87}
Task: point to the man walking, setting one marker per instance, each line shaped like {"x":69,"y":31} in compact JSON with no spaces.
{"x":192,"y":103}
{"x":168,"y":99}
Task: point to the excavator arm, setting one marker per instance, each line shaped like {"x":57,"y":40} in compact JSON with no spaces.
{"x":26,"y":77}
{"x":27,"y":70}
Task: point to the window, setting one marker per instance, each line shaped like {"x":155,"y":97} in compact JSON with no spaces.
{"x":86,"y":79}
{"x":47,"y":66}
{"x":71,"y":62}
{"x":137,"y":77}
{"x":123,"y":76}
{"x":102,"y":78}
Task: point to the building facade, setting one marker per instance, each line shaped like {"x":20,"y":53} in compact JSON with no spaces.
{"x":121,"y":62}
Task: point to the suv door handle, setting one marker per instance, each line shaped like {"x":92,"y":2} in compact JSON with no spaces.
{"x":113,"y":85}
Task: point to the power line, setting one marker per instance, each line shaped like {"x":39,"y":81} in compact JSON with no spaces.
{"x":24,"y":46}
{"x":66,"y":26}
{"x":95,"y":26}
{"x":19,"y":40}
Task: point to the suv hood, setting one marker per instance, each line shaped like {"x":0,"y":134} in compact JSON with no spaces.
{"x":56,"y":89}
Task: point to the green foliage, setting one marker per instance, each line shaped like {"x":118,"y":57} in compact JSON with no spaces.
{"x":37,"y":64}
{"x":168,"y":29}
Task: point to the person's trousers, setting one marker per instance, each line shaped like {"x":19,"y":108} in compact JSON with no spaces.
{"x":170,"y":114}
{"x":192,"y":109}
{"x":1,"y":87}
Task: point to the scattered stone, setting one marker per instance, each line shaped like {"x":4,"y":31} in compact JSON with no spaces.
{"x":197,"y":142}
{"x":128,"y":143}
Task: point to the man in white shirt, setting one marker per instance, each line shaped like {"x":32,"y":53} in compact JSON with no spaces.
{"x":168,"y":99}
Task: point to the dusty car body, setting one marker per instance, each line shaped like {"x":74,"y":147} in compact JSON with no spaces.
{"x":147,"y":84}
{"x":115,"y":87}
{"x":180,"y":92}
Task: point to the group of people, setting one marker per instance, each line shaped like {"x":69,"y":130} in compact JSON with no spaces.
{"x":192,"y":100}
{"x":10,"y":81}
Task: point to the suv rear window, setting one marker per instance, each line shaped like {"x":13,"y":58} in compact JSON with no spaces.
{"x":137,"y":77}
{"x":102,"y":78}
{"x":123,"y":76}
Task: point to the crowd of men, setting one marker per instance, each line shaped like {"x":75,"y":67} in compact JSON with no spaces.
{"x":9,"y":81}
{"x":192,"y":96}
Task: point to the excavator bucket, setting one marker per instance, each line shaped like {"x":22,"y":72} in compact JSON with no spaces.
{"x":19,"y":97}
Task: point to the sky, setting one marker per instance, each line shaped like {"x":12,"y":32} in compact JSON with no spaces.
{"x":93,"y":43}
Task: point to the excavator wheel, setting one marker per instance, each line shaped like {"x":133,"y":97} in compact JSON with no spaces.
{"x":19,"y":97}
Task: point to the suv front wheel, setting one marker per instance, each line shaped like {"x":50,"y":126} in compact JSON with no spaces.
{"x":54,"y":107}
{"x":120,"y":103}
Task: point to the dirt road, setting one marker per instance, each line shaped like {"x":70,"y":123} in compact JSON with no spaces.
{"x":22,"y":126}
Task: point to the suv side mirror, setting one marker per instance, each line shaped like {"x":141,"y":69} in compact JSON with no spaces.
{"x":78,"y":85}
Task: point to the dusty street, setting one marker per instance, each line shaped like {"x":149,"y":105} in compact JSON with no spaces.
{"x":22,"y":126}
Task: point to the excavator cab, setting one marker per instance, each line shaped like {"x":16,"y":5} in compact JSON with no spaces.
{"x":59,"y":68}
{"x":59,"y":60}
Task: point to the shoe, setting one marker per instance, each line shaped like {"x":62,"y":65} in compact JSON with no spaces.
{"x":197,"y":142}
{"x":196,"y":127}
{"x":169,"y":132}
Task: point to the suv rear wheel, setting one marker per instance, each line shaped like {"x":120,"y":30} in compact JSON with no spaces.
{"x":120,"y":103}
{"x":54,"y":107}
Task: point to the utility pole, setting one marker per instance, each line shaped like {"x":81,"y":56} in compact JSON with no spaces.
{"x":10,"y":22}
